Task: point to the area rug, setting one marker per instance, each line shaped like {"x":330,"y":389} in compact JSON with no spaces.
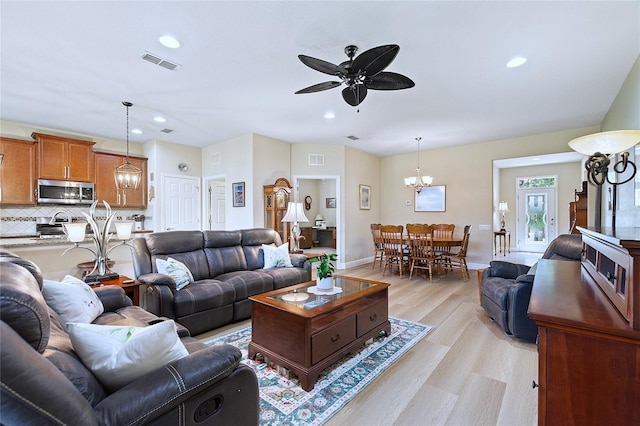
{"x":284,"y":402}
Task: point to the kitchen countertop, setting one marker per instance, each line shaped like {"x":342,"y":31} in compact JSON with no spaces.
{"x":27,"y":240}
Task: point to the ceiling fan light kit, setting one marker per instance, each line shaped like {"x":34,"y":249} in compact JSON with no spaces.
{"x":360,"y":74}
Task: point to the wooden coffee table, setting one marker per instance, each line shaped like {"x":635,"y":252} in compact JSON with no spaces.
{"x":305,"y":333}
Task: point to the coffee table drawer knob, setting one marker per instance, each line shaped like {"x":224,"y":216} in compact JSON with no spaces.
{"x":335,"y":338}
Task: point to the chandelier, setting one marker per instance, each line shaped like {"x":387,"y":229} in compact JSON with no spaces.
{"x":127,"y":176}
{"x":418,"y":181}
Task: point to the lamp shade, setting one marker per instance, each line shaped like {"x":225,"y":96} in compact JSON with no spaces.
{"x":319,"y":217}
{"x":75,"y":231}
{"x":123,"y":229}
{"x":295,"y":213}
{"x":606,"y":142}
{"x":503,"y":207}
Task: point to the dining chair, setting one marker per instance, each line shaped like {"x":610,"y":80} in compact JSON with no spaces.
{"x":442,"y":231}
{"x":422,"y":253}
{"x":458,"y":260}
{"x":393,"y":247}
{"x":378,"y":250}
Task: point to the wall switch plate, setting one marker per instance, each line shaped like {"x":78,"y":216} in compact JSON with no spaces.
{"x":484,"y":227}
{"x":407,"y":202}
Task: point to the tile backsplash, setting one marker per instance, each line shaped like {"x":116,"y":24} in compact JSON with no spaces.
{"x":22,"y":220}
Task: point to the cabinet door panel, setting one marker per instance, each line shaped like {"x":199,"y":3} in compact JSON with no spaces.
{"x":52,"y":159}
{"x":105,"y":184}
{"x":17,"y":172}
{"x":80,"y":162}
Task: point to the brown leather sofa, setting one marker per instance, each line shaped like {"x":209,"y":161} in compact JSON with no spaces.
{"x":227,"y":267}
{"x":42,"y":380}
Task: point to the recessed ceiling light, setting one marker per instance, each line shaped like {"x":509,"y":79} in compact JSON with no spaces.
{"x":159,"y":119}
{"x":136,"y":131}
{"x":329,"y":115}
{"x":516,"y":62}
{"x":169,"y":42}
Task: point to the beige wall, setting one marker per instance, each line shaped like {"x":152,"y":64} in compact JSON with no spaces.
{"x":467,"y":171}
{"x":624,"y":114}
{"x":271,"y":160}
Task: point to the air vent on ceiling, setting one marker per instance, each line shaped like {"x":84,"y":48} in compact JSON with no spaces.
{"x":353,"y":138}
{"x":157,"y":60}
{"x":316,"y":159}
{"x":166,"y":130}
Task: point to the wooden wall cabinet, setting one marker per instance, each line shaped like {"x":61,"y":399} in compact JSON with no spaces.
{"x":64,"y":159}
{"x":589,"y":345}
{"x":17,"y":172}
{"x":105,"y":164}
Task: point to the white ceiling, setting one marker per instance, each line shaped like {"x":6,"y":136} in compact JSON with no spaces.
{"x":68,"y":65}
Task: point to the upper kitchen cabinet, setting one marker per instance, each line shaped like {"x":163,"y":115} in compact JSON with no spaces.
{"x":64,"y":159}
{"x":17,"y":172}
{"x":105,"y":164}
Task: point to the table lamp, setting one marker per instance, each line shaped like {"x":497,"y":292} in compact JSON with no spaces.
{"x":503,"y":208}
{"x":295,"y":214}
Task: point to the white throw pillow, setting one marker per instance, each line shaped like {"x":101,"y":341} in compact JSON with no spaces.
{"x":176,"y":270}
{"x":276,"y":257}
{"x":118,"y":355}
{"x":72,"y":299}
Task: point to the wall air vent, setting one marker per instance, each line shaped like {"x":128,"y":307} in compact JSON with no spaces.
{"x":166,"y":130}
{"x":353,"y":138}
{"x":157,"y":60}
{"x":316,"y":159}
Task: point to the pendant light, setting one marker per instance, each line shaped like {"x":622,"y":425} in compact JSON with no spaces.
{"x":418,"y":181}
{"x":127,"y":176}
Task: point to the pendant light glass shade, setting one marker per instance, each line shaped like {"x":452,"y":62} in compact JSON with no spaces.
{"x":127,"y":176}
{"x":418,"y":181}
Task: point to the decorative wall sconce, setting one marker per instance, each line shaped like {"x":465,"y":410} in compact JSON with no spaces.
{"x":600,"y":147}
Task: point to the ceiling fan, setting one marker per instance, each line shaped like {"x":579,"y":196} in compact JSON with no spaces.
{"x":360,"y":74}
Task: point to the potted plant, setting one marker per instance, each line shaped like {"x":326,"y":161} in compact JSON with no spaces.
{"x":324,"y":272}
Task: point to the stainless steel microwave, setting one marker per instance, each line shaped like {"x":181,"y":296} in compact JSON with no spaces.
{"x":63,"y":192}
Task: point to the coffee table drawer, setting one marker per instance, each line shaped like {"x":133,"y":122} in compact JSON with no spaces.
{"x":333,"y":338}
{"x":372,"y":317}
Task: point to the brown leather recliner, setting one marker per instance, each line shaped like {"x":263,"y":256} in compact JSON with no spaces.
{"x":42,"y":381}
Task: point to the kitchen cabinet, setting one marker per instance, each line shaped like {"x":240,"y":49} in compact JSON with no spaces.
{"x":17,"y":172}
{"x":64,"y":159}
{"x":106,"y":190}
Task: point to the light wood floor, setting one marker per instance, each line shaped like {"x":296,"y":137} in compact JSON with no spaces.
{"x":465,"y":372}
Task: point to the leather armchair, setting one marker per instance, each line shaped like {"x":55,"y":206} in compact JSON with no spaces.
{"x":506,"y":287}
{"x":42,"y":381}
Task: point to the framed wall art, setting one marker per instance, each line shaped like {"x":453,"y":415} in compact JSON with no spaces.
{"x":237,"y":189}
{"x":431,"y":199}
{"x":331,"y":203}
{"x":365,"y":197}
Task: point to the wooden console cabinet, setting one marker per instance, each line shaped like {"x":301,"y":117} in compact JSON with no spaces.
{"x":64,"y":159}
{"x":588,"y":333}
{"x":17,"y":172}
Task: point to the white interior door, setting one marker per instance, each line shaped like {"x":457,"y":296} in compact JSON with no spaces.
{"x":537,"y":213}
{"x":181,"y":203}
{"x":217,"y":204}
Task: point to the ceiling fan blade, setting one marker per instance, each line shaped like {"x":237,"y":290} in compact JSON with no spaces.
{"x":355,"y":94}
{"x":320,"y":87}
{"x":373,"y":61}
{"x":389,"y":81}
{"x":322,"y":66}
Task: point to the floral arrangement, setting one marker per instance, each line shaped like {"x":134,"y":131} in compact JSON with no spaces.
{"x":326,"y":267}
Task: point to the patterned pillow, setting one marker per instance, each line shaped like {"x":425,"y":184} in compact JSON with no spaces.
{"x":118,"y":355}
{"x":72,"y":299}
{"x":176,"y":270}
{"x":276,"y":257}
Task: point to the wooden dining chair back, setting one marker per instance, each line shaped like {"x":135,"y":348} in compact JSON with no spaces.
{"x":423,"y":256}
{"x":458,"y":260}
{"x":442,"y":231}
{"x":393,"y":247}
{"x":378,"y":250}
